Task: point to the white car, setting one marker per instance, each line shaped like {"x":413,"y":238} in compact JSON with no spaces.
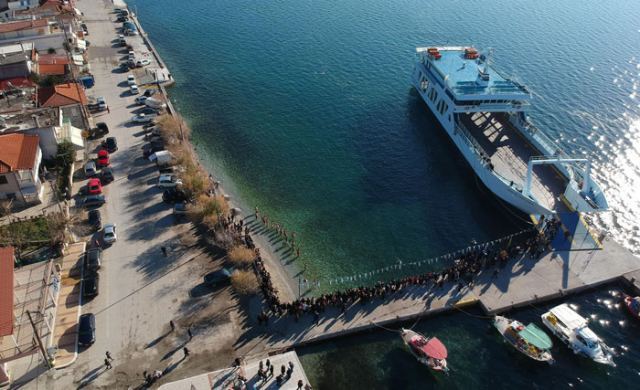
{"x":109,"y":233}
{"x":90,"y":169}
{"x":141,"y":99}
{"x":168,"y":181}
{"x":143,"y":118}
{"x":134,"y":89}
{"x":142,"y":62}
{"x":131,"y":80}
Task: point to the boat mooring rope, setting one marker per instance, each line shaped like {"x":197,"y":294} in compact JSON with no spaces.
{"x":473,"y":315}
{"x":382,"y":327}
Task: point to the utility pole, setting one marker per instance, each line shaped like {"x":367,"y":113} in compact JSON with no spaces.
{"x":35,"y":333}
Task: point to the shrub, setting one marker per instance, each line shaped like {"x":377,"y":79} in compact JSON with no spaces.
{"x":194,"y":182}
{"x":210,"y":221}
{"x":241,"y":256}
{"x":244,"y":282}
{"x":216,"y":205}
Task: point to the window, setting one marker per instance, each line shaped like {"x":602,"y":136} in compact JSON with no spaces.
{"x":3,"y":180}
{"x":424,"y":84}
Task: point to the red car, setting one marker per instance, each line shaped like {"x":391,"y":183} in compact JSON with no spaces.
{"x":94,"y":187}
{"x":103,"y":158}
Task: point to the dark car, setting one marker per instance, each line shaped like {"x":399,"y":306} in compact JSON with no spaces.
{"x":111,"y":144}
{"x":87,"y":330}
{"x":150,"y":92}
{"x":94,"y":201}
{"x":218,"y":278}
{"x":95,"y":220}
{"x":147,"y":110}
{"x":122,"y":19}
{"x":93,"y":259}
{"x":151,"y":148}
{"x":104,"y":129}
{"x":90,"y":285}
{"x":106,"y":175}
{"x":174,"y":195}
{"x":168,"y":169}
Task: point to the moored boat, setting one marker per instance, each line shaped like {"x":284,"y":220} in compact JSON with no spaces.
{"x":428,"y":350}
{"x":572,"y":329}
{"x":633,"y":305}
{"x":529,"y":340}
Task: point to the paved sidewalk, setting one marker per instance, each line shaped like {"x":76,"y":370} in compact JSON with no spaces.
{"x":65,"y":332}
{"x":223,"y":379}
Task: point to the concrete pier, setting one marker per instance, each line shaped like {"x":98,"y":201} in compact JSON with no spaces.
{"x":523,"y":281}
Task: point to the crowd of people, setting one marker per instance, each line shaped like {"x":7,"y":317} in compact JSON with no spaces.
{"x":462,"y":272}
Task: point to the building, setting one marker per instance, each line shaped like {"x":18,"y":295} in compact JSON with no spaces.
{"x":28,"y":300}
{"x":52,"y":65}
{"x":20,"y":158}
{"x":61,"y":95}
{"x":22,"y":29}
{"x":16,"y":60}
{"x":52,"y":125}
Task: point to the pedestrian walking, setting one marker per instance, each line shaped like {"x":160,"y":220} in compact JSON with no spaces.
{"x":172,"y":325}
{"x":282,"y":370}
{"x":271,"y":371}
{"x":109,"y":355}
{"x":189,"y":333}
{"x":300,"y":385}
{"x":108,"y":110}
{"x":107,"y":364}
{"x":164,"y":251}
{"x":186,"y":352}
{"x":298,"y":252}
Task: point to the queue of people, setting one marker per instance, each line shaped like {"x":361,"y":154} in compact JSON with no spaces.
{"x":462,"y":272}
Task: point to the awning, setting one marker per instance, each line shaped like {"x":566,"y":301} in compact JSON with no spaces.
{"x":536,"y":336}
{"x":6,"y":291}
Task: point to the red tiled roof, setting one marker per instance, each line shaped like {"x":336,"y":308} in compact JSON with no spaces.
{"x":51,"y":69}
{"x":17,"y":151}
{"x":23,"y":25}
{"x":6,"y":291}
{"x":50,"y":59}
{"x":61,"y":95}
{"x":17,"y":82}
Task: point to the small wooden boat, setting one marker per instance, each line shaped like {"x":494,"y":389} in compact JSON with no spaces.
{"x":633,"y":306}
{"x":529,"y":340}
{"x":429,"y":351}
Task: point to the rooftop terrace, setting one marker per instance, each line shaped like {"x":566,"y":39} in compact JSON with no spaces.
{"x":461,"y":75}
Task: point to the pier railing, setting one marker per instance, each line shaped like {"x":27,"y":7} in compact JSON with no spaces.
{"x":472,"y":143}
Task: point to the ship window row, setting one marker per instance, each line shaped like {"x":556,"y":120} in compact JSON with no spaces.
{"x":432,"y":95}
{"x":442,"y":107}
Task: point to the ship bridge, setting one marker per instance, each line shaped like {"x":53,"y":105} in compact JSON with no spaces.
{"x":470,"y":82}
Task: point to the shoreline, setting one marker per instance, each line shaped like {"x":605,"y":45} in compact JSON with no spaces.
{"x":288,"y":289}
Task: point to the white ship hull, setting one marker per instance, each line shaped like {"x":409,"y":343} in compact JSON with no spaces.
{"x":495,"y":184}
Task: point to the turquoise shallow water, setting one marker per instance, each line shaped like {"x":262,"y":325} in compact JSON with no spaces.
{"x":306,"y":110}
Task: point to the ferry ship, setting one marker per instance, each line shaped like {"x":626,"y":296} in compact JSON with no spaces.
{"x":484,"y":113}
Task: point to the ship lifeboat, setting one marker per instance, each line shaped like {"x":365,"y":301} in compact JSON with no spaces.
{"x":471,"y":53}
{"x":434,"y":52}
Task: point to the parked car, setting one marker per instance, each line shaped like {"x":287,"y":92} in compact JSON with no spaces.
{"x":90,"y":169}
{"x":87,"y":330}
{"x":101,"y":129}
{"x":131,"y":79}
{"x":124,"y":66}
{"x":134,"y":89}
{"x":174,"y":195}
{"x":168,"y":181}
{"x":103,"y":158}
{"x":143,"y":118}
{"x":90,"y":285}
{"x":95,"y":220}
{"x":142,"y":62}
{"x":180,"y":208}
{"x":106,"y":175}
{"x":141,"y":99}
{"x":109,"y":234}
{"x":94,"y":187}
{"x":152,"y":148}
{"x":218,"y":278}
{"x":121,"y":40}
{"x":122,"y":19}
{"x":110,"y":144}
{"x":94,"y":201}
{"x":150,"y":92}
{"x":93,"y":259}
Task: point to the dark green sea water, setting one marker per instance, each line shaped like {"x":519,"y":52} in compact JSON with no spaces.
{"x":305,"y":109}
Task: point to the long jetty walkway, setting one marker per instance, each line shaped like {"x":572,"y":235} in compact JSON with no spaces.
{"x":575,"y":264}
